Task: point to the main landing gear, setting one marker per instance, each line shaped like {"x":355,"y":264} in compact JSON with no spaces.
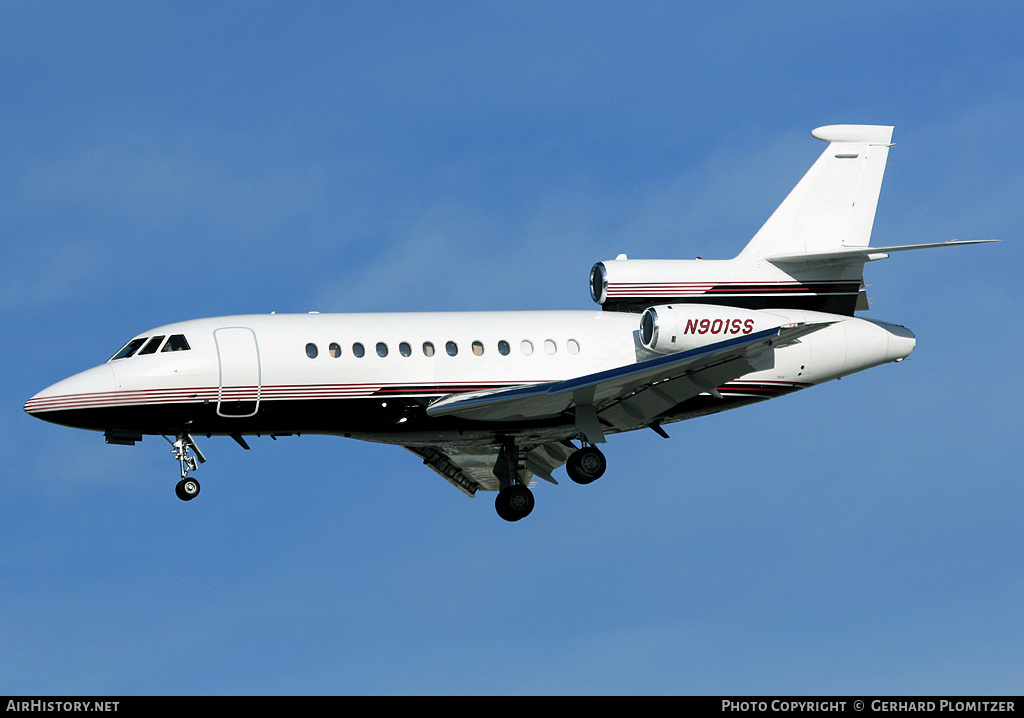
{"x":586,"y":465}
{"x":515,"y":500}
{"x":186,"y":489}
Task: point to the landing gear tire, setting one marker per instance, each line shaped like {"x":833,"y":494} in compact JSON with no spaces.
{"x":187,"y":489}
{"x":514,"y":502}
{"x":586,"y":465}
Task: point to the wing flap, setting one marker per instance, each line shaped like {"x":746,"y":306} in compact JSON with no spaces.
{"x":664,"y":381}
{"x":471,"y":468}
{"x":645,"y":407}
{"x":466,"y":478}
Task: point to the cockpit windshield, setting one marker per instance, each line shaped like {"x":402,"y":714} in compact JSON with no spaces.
{"x":129,"y":348}
{"x":150,"y":345}
{"x":176,"y":343}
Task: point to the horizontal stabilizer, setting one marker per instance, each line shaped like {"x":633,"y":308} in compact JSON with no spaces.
{"x":864,"y":254}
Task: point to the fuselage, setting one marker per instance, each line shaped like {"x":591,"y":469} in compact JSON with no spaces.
{"x":370,"y":376}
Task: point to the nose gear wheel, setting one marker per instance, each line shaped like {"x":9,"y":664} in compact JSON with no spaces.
{"x":186,"y":489}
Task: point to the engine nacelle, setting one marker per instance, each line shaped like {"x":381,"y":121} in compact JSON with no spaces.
{"x":630,"y":285}
{"x":669,"y":328}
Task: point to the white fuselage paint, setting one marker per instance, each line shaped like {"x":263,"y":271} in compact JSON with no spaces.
{"x":254,"y":360}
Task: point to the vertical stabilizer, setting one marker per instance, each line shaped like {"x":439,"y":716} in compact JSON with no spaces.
{"x":833,"y":206}
{"x":810,"y":254}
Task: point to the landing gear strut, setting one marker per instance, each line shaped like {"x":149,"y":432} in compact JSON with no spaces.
{"x":515,"y":500}
{"x":586,"y":465}
{"x":186,"y":489}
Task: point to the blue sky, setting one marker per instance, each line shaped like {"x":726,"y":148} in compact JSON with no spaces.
{"x":165,"y":161}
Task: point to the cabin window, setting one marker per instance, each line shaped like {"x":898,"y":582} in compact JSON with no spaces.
{"x":503,"y":348}
{"x":311,"y":350}
{"x":382,"y":349}
{"x":573,"y":346}
{"x":334,"y":349}
{"x":526,"y":346}
{"x":405,"y":349}
{"x":358,"y":350}
{"x":176,"y":343}
{"x":478,"y":348}
{"x":428,"y":349}
{"x":152,"y":345}
{"x":130,"y":348}
{"x":550,"y":347}
{"x":452,"y":348}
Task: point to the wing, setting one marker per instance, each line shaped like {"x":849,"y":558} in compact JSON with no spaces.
{"x":471,"y":468}
{"x":630,"y":396}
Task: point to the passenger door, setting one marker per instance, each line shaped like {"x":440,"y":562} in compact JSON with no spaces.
{"x":238,"y":357}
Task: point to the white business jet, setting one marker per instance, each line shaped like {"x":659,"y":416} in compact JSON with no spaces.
{"x":490,"y":399}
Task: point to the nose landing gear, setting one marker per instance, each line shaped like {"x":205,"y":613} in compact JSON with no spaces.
{"x":186,"y":489}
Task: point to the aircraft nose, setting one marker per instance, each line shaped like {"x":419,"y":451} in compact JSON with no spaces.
{"x":67,"y":401}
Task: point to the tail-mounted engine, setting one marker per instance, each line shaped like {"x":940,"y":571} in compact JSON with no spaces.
{"x":631,"y":285}
{"x":672,"y":328}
